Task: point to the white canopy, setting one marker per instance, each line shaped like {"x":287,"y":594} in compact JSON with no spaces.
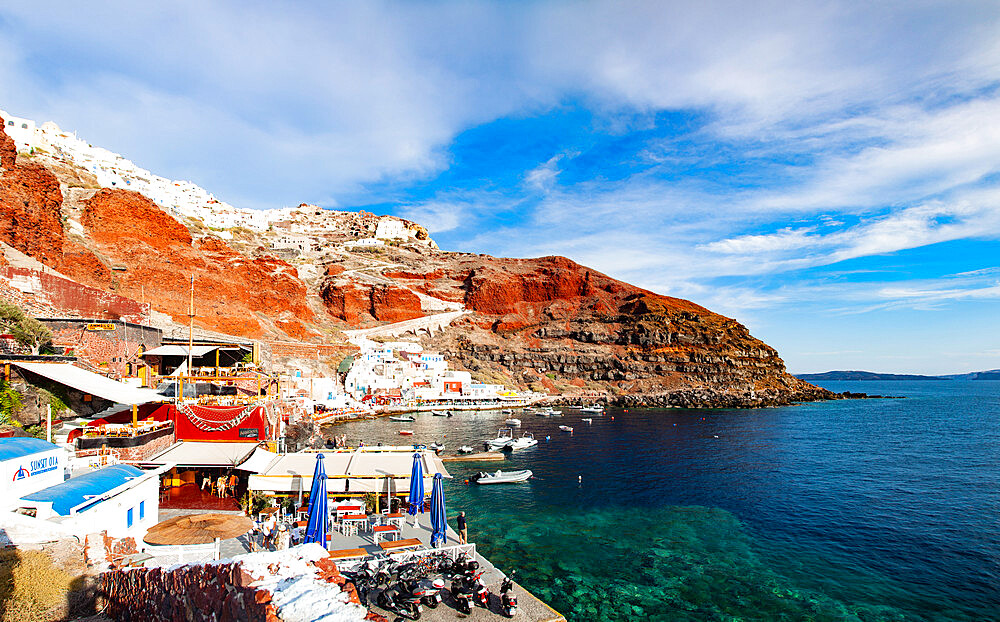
{"x":258,"y":461}
{"x":173,"y":350}
{"x":89,"y":382}
{"x":204,"y":454}
{"x":361,"y":470}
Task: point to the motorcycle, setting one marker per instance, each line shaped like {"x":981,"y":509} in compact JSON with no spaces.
{"x":462,"y":592}
{"x":508,"y":601}
{"x":398,"y":599}
{"x":427,"y":590}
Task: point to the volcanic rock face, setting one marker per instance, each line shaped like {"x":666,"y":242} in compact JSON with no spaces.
{"x":547,"y":323}
{"x":29,"y":206}
{"x":551,"y":319}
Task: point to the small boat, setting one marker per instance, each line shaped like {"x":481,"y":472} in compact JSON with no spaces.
{"x":542,"y":413}
{"x":402,"y":418}
{"x":437,"y":447}
{"x":597,"y":410}
{"x":555,"y":413}
{"x":406,"y":432}
{"x":587,"y":419}
{"x":527,"y":440}
{"x":506,"y":411}
{"x":501,"y":477}
{"x":513,"y":422}
{"x":465,"y":449}
{"x":565,"y":428}
{"x":439,"y":413}
{"x":504,"y":437}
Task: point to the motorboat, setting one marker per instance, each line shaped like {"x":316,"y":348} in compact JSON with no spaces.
{"x":501,"y":477}
{"x":565,"y":428}
{"x":507,"y":411}
{"x":526,"y":440}
{"x":597,"y":409}
{"x":513,"y":422}
{"x":505,"y":436}
{"x":465,"y":449}
{"x":440,"y":413}
{"x":542,"y":413}
{"x":587,"y":419}
{"x":402,"y":418}
{"x":437,"y":447}
{"x":406,"y":432}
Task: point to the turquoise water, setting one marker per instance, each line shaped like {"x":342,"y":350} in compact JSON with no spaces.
{"x":846,"y":510}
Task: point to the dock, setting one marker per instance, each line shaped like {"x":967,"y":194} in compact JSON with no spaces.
{"x":485,"y":456}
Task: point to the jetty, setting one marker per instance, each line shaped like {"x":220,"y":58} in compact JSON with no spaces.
{"x":483,"y":456}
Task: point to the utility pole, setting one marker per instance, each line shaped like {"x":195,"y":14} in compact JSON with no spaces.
{"x":191,"y":327}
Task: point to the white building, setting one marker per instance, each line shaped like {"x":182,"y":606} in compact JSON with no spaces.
{"x":21,"y":130}
{"x":392,"y":229}
{"x":121,"y":499}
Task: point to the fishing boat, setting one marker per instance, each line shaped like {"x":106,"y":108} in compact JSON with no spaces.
{"x":406,"y":432}
{"x":526,"y":440}
{"x":565,"y":428}
{"x":501,"y":477}
{"x":597,"y":409}
{"x":402,"y":418}
{"x":504,"y":437}
{"x":513,"y":422}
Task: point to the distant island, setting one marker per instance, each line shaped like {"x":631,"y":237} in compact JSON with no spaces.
{"x":993,"y":374}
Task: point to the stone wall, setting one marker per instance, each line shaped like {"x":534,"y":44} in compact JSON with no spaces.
{"x":109,"y":350}
{"x":190,"y":593}
{"x":43,"y":293}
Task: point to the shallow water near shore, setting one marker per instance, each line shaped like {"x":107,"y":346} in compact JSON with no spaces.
{"x":845,"y":510}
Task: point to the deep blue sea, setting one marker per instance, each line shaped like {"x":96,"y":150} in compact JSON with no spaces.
{"x":847,"y":510}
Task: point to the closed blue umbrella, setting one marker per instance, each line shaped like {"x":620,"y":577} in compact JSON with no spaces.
{"x":316,"y":528}
{"x":416,"y":498}
{"x":439,"y":522}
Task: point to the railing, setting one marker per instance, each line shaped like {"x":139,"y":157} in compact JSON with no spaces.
{"x":168,"y":555}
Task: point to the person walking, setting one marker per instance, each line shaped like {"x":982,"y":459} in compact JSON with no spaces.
{"x":206,"y":481}
{"x":283,"y":537}
{"x":463,"y":530}
{"x":231,"y":484}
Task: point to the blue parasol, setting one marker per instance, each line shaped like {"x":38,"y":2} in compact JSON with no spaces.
{"x":316,"y":528}
{"x":439,"y":522}
{"x":416,"y":498}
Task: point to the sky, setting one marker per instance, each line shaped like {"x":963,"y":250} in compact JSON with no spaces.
{"x":827,"y":173}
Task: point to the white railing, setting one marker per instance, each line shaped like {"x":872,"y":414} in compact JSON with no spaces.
{"x":168,"y":555}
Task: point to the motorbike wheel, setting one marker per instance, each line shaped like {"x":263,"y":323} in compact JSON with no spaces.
{"x":414,"y":613}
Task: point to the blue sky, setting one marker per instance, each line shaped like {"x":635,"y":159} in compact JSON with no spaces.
{"x":828,"y":173}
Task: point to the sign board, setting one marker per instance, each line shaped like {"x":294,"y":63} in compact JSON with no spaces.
{"x":101,"y":327}
{"x":28,"y":474}
{"x":248,"y":432}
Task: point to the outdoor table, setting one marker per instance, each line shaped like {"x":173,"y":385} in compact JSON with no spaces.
{"x":348,"y":509}
{"x":348,"y":553}
{"x":384,"y":531}
{"x":301,"y":523}
{"x":398,"y":545}
{"x":349,"y":523}
{"x":395,"y":518}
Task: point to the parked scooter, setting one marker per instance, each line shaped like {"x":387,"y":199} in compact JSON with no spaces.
{"x":462,"y":592}
{"x":427,"y":590}
{"x":508,"y":600}
{"x":400,"y":600}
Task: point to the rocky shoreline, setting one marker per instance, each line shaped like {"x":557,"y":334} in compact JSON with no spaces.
{"x":711,"y":398}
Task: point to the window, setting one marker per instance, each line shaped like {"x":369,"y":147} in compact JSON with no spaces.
{"x":24,"y":126}
{"x":128,"y":517}
{"x":142,"y":510}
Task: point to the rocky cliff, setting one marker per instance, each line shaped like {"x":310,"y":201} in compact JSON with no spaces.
{"x":547,"y":323}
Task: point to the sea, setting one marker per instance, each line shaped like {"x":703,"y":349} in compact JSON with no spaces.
{"x":874,"y":509}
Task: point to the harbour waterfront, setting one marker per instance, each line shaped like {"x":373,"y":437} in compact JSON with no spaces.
{"x":845,"y":510}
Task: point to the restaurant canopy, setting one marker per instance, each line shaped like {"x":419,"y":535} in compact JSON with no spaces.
{"x":368,"y":469}
{"x":204,"y":454}
{"x":95,"y":384}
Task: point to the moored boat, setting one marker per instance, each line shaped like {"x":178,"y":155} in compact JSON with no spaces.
{"x":526,"y":440}
{"x":504,"y":437}
{"x":406,"y":432}
{"x":402,"y":418}
{"x":513,"y":422}
{"x":439,"y":413}
{"x":465,"y":449}
{"x":501,"y":477}
{"x":587,"y":419}
{"x":596,"y":409}
{"x":565,"y":428}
